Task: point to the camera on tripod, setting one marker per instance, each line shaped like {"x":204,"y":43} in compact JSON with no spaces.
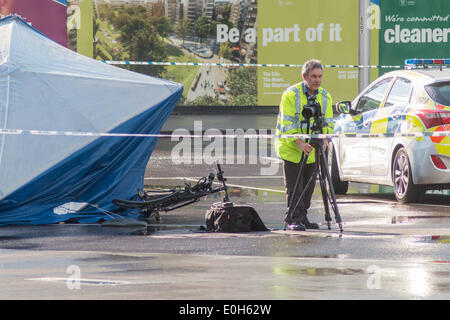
{"x":312,"y":109}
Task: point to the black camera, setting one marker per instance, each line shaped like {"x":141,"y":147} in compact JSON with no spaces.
{"x":312,"y":109}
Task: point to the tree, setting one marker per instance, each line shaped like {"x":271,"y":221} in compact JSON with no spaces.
{"x":183,"y":28}
{"x":225,"y":50}
{"x":243,"y":88}
{"x":204,"y":101}
{"x":244,"y":100}
{"x":202,"y":27}
{"x":125,"y":14}
{"x":143,"y":43}
{"x":162,"y":25}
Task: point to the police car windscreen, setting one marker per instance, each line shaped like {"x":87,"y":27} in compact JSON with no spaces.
{"x":439,"y":92}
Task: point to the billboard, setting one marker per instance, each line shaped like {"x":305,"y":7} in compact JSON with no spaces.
{"x":414,"y":29}
{"x":47,"y":16}
{"x":80,"y":26}
{"x":292,"y":32}
{"x":199,"y":42}
{"x":218,"y":34}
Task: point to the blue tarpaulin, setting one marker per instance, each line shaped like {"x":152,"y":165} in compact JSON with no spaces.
{"x":62,"y":177}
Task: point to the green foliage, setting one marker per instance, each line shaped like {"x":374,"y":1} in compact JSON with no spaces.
{"x":184,"y":75}
{"x":204,"y":101}
{"x":243,"y":86}
{"x":244,"y":100}
{"x":183,"y":28}
{"x":203,"y":27}
{"x":140,"y":37}
{"x":225,"y":50}
{"x":162,"y":25}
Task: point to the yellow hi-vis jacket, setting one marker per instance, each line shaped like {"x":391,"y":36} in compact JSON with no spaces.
{"x":290,"y":117}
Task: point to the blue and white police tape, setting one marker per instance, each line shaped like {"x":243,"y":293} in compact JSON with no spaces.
{"x":155,"y":63}
{"x":228,"y":136}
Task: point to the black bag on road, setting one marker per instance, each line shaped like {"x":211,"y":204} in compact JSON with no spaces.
{"x":227,"y":217}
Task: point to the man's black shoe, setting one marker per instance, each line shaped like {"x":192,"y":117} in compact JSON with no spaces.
{"x":297,"y":226}
{"x":309,"y":225}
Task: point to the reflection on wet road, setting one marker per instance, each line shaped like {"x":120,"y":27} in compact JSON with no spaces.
{"x":387,"y":250}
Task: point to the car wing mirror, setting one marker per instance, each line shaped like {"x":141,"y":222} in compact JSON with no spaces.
{"x":344,"y":107}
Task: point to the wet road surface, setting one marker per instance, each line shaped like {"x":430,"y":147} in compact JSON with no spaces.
{"x":387,"y":250}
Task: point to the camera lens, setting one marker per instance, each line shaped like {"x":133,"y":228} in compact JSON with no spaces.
{"x":307,"y":112}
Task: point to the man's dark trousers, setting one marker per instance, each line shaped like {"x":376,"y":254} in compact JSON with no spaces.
{"x":291,"y":171}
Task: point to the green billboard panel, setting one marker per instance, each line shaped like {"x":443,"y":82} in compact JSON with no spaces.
{"x":413,"y":29}
{"x":292,"y":32}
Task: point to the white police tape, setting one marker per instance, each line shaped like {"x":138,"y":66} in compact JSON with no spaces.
{"x":155,"y":63}
{"x":228,"y":136}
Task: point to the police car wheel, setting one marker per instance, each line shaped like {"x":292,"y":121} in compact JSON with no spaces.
{"x":402,"y":177}
{"x":340,"y":187}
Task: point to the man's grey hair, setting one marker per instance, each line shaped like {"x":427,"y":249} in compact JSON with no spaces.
{"x":310,"y":65}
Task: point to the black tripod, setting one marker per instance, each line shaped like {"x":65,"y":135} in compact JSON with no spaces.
{"x":321,"y":170}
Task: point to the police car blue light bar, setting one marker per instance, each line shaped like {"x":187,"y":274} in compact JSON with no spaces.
{"x":430,"y":62}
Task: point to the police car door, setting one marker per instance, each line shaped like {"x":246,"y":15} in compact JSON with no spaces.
{"x":388,"y":120}
{"x":357,"y":149}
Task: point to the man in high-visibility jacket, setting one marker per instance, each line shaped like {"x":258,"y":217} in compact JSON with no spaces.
{"x":290,"y":149}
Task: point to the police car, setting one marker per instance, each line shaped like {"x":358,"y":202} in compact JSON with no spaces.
{"x":388,"y":132}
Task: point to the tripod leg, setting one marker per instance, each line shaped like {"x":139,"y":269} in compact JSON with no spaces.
{"x":333,"y":202}
{"x":325,"y":198}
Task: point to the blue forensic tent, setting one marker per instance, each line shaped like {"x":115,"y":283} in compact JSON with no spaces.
{"x":44,"y":86}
